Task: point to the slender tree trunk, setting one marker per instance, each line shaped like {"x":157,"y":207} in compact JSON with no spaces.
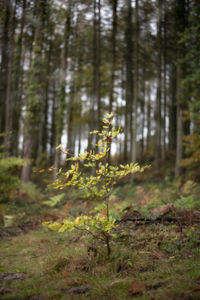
{"x":129,"y":79}
{"x":142,"y":105}
{"x":181,"y":100}
{"x":97,"y":60}
{"x":95,"y":122}
{"x":9,"y":99}
{"x":43,"y":132}
{"x":113,"y":65}
{"x":98,"y":64}
{"x":135,"y":93}
{"x":33,"y":99}
{"x":164,"y":148}
{"x":18,"y":83}
{"x":113,"y":45}
{"x":172,"y":111}
{"x":70,"y":131}
{"x":79,"y":139}
{"x":5,"y":14}
{"x":62,"y":79}
{"x":179,"y":146}
{"x":148,"y":118}
{"x":159,"y":89}
{"x":53,"y":126}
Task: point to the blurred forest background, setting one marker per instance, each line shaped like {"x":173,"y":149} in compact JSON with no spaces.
{"x":63,"y":64}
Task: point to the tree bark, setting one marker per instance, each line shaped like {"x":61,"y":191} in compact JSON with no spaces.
{"x":129,"y":81}
{"x":179,"y":146}
{"x":148,"y":145}
{"x":33,"y":99}
{"x":113,"y":45}
{"x":172,"y":110}
{"x":181,"y":100}
{"x":9,"y":100}
{"x":159,"y":88}
{"x":5,"y":15}
{"x":62,"y":80}
{"x":18,"y":83}
{"x":135,"y":92}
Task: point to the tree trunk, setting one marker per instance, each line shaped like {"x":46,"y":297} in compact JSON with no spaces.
{"x":33,"y":98}
{"x":5,"y":14}
{"x":62,"y":79}
{"x":70,"y":131}
{"x":148,"y":145}
{"x":113,"y":65}
{"x":164,"y":148}
{"x":18,"y":83}
{"x":97,"y":61}
{"x":179,"y":146}
{"x":181,"y":100}
{"x":142,"y":105}
{"x":113,"y":45}
{"x":135,"y":93}
{"x":129,"y":80}
{"x":159,"y":89}
{"x":172,"y":110}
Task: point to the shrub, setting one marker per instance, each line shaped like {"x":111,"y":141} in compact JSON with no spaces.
{"x":8,"y":175}
{"x":96,"y":185}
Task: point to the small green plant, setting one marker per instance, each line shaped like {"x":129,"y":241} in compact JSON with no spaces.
{"x":91,"y":173}
{"x":54,"y":200}
{"x":185,"y":202}
{"x":9,"y":167}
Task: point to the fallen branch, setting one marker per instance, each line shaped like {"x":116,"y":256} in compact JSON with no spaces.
{"x":179,"y":217}
{"x":144,"y":221}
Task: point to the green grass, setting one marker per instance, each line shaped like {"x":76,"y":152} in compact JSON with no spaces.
{"x":162,"y":257}
{"x":54,"y":263}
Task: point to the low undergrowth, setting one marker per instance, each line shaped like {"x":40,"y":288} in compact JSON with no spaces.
{"x":149,"y":260}
{"x":160,"y":257}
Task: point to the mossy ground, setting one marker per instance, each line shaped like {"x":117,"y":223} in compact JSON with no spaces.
{"x":161,"y":257}
{"x":165,"y":258}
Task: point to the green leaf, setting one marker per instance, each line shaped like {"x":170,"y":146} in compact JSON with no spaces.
{"x":54,"y":200}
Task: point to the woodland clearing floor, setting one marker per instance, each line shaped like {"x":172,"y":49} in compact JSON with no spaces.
{"x":153,"y":261}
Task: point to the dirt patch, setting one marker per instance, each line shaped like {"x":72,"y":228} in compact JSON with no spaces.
{"x":12,"y":276}
{"x":6,"y":232}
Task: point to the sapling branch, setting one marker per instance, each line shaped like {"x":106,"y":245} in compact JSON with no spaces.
{"x":96,"y":186}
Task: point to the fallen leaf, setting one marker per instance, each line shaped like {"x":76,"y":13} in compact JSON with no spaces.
{"x":67,"y":206}
{"x":44,"y":241}
{"x":65,"y":273}
{"x":103,"y":212}
{"x":159,"y":254}
{"x":68,"y":282}
{"x":136,"y":288}
{"x":85,"y":204}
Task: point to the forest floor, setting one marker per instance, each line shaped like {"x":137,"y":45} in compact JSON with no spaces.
{"x":157,"y":258}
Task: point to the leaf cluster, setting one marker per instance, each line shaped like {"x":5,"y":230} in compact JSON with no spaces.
{"x":100,"y":185}
{"x":97,"y":225}
{"x":95,"y":185}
